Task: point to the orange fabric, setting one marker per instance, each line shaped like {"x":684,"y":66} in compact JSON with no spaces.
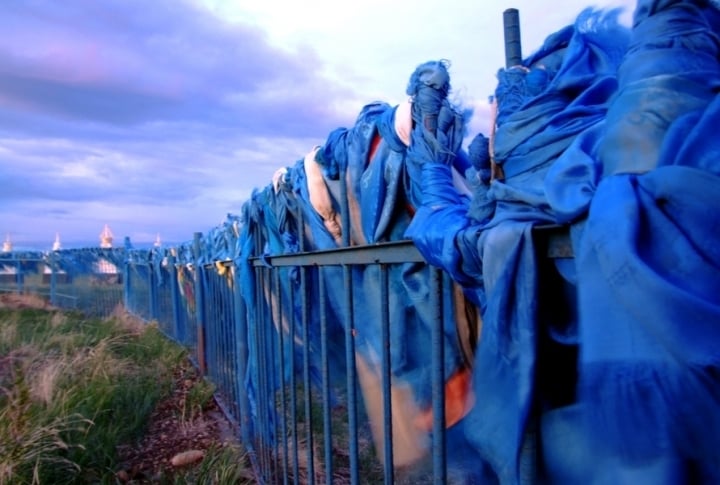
{"x":459,"y":399}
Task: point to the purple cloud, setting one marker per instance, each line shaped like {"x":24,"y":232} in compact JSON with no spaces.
{"x":147,"y":115}
{"x":130,"y":63}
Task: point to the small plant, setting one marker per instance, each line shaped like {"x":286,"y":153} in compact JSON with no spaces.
{"x":197,"y":397}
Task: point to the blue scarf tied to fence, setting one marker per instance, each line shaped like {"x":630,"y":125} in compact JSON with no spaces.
{"x":559,"y":92}
{"x":647,"y":256}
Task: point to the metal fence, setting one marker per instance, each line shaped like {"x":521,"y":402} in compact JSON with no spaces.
{"x":95,"y":290}
{"x":303,"y":419}
{"x":306,"y":414}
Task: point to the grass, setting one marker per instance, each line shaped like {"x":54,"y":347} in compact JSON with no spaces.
{"x":220,"y":466}
{"x":73,"y":389}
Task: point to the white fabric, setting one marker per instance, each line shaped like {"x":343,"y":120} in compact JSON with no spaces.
{"x":403,"y":121}
{"x":320,"y":197}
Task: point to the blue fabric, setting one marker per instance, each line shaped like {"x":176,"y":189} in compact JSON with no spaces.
{"x":643,"y":188}
{"x":374,"y":167}
{"x":648,"y":291}
{"x":561,"y":91}
{"x":631,"y":161}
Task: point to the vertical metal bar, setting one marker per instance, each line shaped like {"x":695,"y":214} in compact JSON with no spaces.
{"x":53,"y":278}
{"x":242,"y":358}
{"x":305,"y":305}
{"x":19,"y":276}
{"x":349,"y":336}
{"x":513,"y":46}
{"x":438,"y":380}
{"x":199,"y":303}
{"x":301,"y":247}
{"x":255,"y":326}
{"x":293,"y":390}
{"x":351,"y":376}
{"x":283,"y":397}
{"x":386,"y":375}
{"x":175,"y":299}
{"x":276,"y":310}
{"x":152,"y":290}
{"x":126,"y":274}
{"x":219,"y":326}
{"x":327,"y":422}
{"x":209,"y":334}
{"x":272,"y":370}
{"x":262,"y":370}
{"x":232,"y":344}
{"x":224,"y":337}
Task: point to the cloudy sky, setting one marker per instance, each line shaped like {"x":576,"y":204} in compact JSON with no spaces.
{"x":160,"y":117}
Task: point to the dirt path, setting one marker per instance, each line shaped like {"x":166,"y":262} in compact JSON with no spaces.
{"x":175,"y":427}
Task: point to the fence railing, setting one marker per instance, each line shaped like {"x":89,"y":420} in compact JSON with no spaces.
{"x":318,"y":381}
{"x":310,"y":360}
{"x":95,"y":288}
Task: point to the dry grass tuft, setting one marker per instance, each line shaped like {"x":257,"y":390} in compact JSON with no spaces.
{"x":127,"y":321}
{"x":43,"y":379}
{"x":17,"y":301}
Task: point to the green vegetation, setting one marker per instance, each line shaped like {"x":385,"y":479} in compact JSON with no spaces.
{"x":73,"y":389}
{"x":220,"y":466}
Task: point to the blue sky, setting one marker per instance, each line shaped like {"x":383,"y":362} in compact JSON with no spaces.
{"x":160,"y":117}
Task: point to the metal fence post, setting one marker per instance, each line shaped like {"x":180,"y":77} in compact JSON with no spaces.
{"x":126,"y":274}
{"x":241,"y":335}
{"x":152,"y":289}
{"x":513,"y":46}
{"x":199,"y":302}
{"x":154,"y":282}
{"x":19,"y":277}
{"x":52,"y":259}
{"x":178,"y":328}
{"x":439,"y":451}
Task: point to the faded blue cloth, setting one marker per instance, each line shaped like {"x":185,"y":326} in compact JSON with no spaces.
{"x":643,"y":189}
{"x":561,"y":91}
{"x":382,"y":197}
{"x":365,"y":168}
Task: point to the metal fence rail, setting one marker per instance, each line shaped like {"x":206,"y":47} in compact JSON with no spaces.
{"x":284,"y":359}
{"x":285,"y":364}
{"x":95,"y":293}
{"x":312,"y":428}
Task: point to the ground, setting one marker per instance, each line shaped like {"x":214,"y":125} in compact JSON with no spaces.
{"x":174,"y":428}
{"x":187,"y":420}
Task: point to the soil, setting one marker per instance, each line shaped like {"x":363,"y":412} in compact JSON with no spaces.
{"x":173,"y":430}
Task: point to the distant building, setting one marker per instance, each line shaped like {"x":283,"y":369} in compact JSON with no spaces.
{"x":8,"y":273}
{"x":103,"y":266}
{"x":157,"y":242}
{"x":106,"y":237}
{"x":56,"y":245}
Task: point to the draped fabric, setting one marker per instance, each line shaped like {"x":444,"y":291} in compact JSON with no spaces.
{"x":647,"y":259}
{"x":559,"y":92}
{"x":357,"y":188}
{"x":614,"y":139}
